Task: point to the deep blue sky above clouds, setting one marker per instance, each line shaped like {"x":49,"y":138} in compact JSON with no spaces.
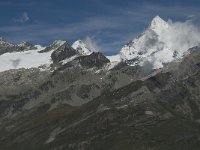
{"x":110,"y":23}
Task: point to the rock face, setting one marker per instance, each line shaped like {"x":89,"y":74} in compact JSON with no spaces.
{"x":94,"y":60}
{"x":55,"y":45}
{"x":63,"y":52}
{"x":6,"y":46}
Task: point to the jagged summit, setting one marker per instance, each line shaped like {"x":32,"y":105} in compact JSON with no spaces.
{"x":16,"y":47}
{"x":82,"y":47}
{"x":158,"y":45}
{"x":158,"y":21}
{"x":158,"y":25}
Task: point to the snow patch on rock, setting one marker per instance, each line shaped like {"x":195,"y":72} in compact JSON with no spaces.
{"x":82,"y":47}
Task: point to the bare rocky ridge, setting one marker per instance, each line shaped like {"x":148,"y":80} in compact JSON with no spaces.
{"x":6,"y":46}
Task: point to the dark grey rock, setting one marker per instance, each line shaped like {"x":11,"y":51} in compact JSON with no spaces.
{"x":94,"y":60}
{"x":63,"y":52}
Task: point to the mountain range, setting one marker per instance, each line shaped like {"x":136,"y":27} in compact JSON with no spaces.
{"x":60,"y":97}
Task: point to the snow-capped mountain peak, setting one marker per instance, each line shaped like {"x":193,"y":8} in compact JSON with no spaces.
{"x":161,"y":43}
{"x":150,"y":47}
{"x":82,"y":47}
{"x":158,"y":24}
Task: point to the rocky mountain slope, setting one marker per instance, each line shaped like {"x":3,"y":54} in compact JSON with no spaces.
{"x":64,"y":97}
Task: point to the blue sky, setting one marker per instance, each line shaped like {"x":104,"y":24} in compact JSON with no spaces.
{"x":110,"y":23}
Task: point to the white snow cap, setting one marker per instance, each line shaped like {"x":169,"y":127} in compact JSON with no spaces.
{"x":161,"y":43}
{"x":82,"y":47}
{"x":158,"y":25}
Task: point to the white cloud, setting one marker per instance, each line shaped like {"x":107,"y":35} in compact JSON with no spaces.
{"x":92,"y":44}
{"x":175,"y":42}
{"x":23,"y":18}
{"x":181,"y":36}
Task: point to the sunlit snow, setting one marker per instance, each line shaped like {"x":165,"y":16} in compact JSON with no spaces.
{"x":82,"y":47}
{"x":26,"y":59}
